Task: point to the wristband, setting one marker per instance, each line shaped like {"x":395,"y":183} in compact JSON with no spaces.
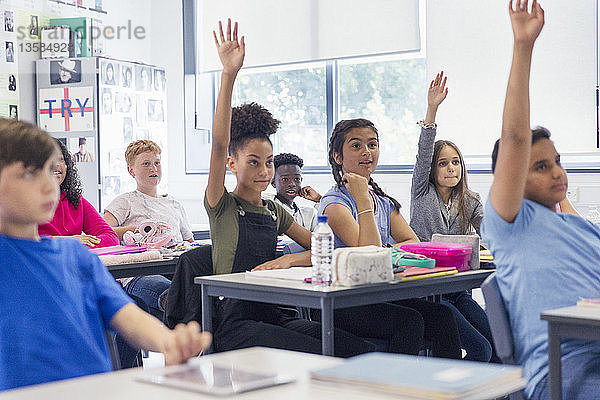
{"x":364,"y":211}
{"x":431,"y":125}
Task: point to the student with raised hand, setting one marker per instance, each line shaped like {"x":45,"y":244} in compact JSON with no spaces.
{"x":57,"y":298}
{"x":361,"y":214}
{"x":244,"y":228}
{"x":75,"y":216}
{"x":441,"y":202}
{"x":537,"y":251}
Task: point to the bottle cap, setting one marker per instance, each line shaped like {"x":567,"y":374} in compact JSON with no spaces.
{"x":322,"y":218}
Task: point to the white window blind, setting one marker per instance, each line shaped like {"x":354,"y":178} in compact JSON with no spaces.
{"x":291,"y":31}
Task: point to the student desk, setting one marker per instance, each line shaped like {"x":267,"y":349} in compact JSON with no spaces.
{"x":157,"y":267}
{"x":121,"y":385}
{"x":300,"y":294}
{"x":569,"y":322}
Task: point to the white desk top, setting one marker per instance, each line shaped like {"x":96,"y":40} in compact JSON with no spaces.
{"x":121,"y":385}
{"x":580,"y":313}
{"x":249,"y":278}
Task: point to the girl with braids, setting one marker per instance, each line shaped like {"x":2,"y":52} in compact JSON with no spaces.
{"x":441,"y":202}
{"x":361,"y":214}
{"x":75,"y":216}
{"x":244,"y":228}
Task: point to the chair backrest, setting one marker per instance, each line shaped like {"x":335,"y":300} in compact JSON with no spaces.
{"x":112,"y":349}
{"x":499,"y":322}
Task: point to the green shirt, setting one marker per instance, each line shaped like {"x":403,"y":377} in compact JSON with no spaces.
{"x":224,"y":228}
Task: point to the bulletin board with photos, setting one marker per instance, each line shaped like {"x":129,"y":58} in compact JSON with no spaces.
{"x":132,"y":106}
{"x":9,"y":85}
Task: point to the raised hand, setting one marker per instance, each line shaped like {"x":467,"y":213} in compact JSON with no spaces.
{"x":310,"y":194}
{"x":526,"y":25}
{"x":437,"y":90}
{"x":231,"y":52}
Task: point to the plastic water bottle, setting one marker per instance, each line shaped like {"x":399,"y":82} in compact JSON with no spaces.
{"x":321,"y":249}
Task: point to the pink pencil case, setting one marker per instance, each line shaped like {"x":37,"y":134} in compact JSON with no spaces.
{"x":445,"y":254}
{"x":112,"y":250}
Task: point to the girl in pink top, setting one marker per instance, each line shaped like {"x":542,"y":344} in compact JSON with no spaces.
{"x":74,"y":215}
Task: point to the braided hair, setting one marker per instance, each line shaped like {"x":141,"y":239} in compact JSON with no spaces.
{"x":336,"y":143}
{"x":250,"y":121}
{"x":459,"y":192}
{"x":71,"y":185}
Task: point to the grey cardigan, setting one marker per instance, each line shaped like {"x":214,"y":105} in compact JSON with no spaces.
{"x":428,"y":213}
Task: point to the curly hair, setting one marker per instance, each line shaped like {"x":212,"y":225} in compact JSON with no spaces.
{"x":23,"y":142}
{"x":287,"y":159}
{"x":138,"y":147}
{"x":336,"y":142}
{"x":250,"y":121}
{"x":72,"y":184}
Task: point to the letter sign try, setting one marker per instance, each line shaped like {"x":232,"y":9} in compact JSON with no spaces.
{"x":66,"y":109}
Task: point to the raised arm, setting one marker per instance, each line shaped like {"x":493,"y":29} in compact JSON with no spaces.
{"x":508,"y":187}
{"x":231,"y":53}
{"x":435,"y":96}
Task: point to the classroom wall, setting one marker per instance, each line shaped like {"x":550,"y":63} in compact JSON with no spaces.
{"x":166,"y":51}
{"x":118,"y":14}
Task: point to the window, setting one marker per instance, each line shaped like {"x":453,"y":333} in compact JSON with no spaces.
{"x":296,"y":97}
{"x":388,"y":90}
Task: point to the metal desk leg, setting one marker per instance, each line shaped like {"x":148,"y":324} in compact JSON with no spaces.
{"x":327,"y":328}
{"x":555,"y":375}
{"x":207,"y":311}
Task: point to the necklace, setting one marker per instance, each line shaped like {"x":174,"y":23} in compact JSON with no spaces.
{"x":448,"y":206}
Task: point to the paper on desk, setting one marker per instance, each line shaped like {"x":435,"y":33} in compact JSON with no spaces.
{"x":294,"y":273}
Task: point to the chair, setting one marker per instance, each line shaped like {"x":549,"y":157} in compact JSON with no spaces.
{"x":184,"y":302}
{"x":500,"y":325}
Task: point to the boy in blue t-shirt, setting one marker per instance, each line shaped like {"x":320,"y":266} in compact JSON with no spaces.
{"x":545,"y":259}
{"x":56,"y":298}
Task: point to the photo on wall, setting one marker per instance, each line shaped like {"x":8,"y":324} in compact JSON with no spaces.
{"x":159,"y":80}
{"x":82,"y":149}
{"x":155,"y":111}
{"x":9,"y":52}
{"x":143,"y":78}
{"x":9,"y":21}
{"x":13,"y":111}
{"x":12,"y":83}
{"x":65,"y":71}
{"x":111,"y":186}
{"x":142,"y":134}
{"x":122,"y":102}
{"x":127,"y":130}
{"x":110,"y":73}
{"x":126,"y":76}
{"x":107,"y":101}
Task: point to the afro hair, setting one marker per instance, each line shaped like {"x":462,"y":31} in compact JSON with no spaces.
{"x":250,"y":121}
{"x":287,"y":159}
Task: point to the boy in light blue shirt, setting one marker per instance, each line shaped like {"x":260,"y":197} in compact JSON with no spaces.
{"x":544,"y":259}
{"x":56,"y":298}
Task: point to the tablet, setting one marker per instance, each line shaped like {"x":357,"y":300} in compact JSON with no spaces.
{"x":205,"y":376}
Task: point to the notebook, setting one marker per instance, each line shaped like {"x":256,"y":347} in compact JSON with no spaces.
{"x":424,"y":377}
{"x":112,"y":250}
{"x":414,"y":273}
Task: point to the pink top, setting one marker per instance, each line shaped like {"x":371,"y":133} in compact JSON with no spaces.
{"x":69,"y":221}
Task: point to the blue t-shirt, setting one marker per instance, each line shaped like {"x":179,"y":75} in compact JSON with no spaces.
{"x":383,"y":208}
{"x":544,"y":260}
{"x":56,"y":301}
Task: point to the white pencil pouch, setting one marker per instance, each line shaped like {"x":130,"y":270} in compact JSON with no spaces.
{"x":353,"y":266}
